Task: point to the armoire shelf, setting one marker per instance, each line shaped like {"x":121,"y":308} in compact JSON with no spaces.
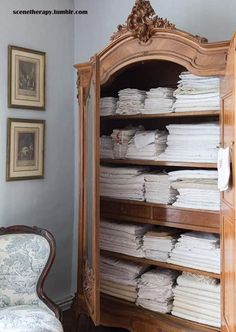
{"x":160,"y":214}
{"x":159,"y":264}
{"x":159,"y":163}
{"x":126,"y":312}
{"x":163,"y":115}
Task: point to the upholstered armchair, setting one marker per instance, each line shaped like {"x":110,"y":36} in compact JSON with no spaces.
{"x":26,"y":255}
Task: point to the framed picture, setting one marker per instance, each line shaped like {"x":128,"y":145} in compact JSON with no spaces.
{"x":25,"y":149}
{"x":26,"y":78}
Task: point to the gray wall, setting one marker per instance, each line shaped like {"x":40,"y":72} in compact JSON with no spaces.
{"x":49,"y":202}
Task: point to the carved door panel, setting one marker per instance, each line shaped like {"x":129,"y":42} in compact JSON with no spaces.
{"x":228,"y":218}
{"x":88,"y":268}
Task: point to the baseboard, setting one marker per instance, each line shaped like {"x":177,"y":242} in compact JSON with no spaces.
{"x":65,"y":303}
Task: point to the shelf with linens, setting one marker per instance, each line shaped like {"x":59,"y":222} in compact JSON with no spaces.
{"x":158,"y":264}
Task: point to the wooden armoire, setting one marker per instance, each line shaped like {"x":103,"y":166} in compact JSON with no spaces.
{"x":149,"y":51}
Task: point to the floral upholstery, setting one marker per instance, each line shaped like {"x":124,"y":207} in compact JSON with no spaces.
{"x":22,"y":260}
{"x":23,"y":318}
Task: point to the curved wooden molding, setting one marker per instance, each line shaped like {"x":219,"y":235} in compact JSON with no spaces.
{"x":142,"y":22}
{"x":176,"y":46}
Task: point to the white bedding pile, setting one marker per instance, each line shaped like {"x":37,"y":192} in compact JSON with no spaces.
{"x":131,"y":101}
{"x":122,"y":182}
{"x":155,"y":290}
{"x":197,"y":250}
{"x":197,"y":93}
{"x":157,"y":244}
{"x":192,"y":142}
{"x":159,"y":100}
{"x":197,"y":298}
{"x":147,"y":144}
{"x":106,"y":147}
{"x":108,"y":106}
{"x":197,"y":189}
{"x":119,"y":278}
{"x":158,"y":188}
{"x":125,"y":238}
{"x":120,"y":139}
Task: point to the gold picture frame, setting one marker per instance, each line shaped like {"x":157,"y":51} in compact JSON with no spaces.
{"x":25,"y":149}
{"x":26,"y":78}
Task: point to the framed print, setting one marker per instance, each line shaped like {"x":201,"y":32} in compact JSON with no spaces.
{"x":26,"y":78}
{"x":25,"y":149}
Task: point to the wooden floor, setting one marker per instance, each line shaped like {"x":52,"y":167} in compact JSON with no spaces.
{"x":69,"y":325}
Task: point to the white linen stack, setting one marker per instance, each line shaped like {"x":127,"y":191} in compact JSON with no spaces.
{"x":147,"y":144}
{"x":158,"y":188}
{"x":197,"y":93}
{"x":108,"y":106}
{"x":192,"y":142}
{"x":197,"y":250}
{"x":122,"y":182}
{"x":125,"y":238}
{"x":197,"y":189}
{"x":157,"y":244}
{"x":131,"y":101}
{"x":119,"y":278}
{"x":120,"y":139}
{"x":159,"y":100}
{"x":197,"y":298}
{"x":106,"y":147}
{"x":155,"y":290}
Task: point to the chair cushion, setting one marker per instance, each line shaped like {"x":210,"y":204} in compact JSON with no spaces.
{"x":23,"y":258}
{"x":26,"y":318}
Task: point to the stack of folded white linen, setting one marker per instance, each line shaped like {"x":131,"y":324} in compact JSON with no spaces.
{"x":192,"y":142}
{"x":119,"y":278}
{"x":159,"y":100}
{"x":106,"y":147}
{"x":197,"y":93}
{"x":158,"y":188}
{"x":197,"y":189}
{"x":131,"y":101}
{"x":125,"y":238}
{"x":122,"y":182}
{"x":147,"y":144}
{"x":108,"y":106}
{"x":197,"y":298}
{"x":120,"y":139}
{"x":155,"y":290}
{"x":197,"y":250}
{"x":158,"y":243}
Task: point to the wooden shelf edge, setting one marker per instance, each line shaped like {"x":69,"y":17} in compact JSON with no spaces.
{"x":158,"y":163}
{"x":162,"y":115}
{"x":159,"y":264}
{"x":166,"y":206}
{"x":109,"y":303}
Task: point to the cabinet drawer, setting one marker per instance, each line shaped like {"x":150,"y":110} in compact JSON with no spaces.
{"x":125,"y":209}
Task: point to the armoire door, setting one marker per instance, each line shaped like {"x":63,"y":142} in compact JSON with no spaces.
{"x":228,"y":218}
{"x":89,"y":200}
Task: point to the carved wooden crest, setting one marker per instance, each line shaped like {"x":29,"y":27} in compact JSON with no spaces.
{"x":142,"y":22}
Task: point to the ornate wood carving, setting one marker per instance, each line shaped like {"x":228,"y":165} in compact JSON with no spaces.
{"x":89,"y":285}
{"x":142,"y":22}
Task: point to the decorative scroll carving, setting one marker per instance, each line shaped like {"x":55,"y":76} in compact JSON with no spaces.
{"x":88,"y":285}
{"x":142,"y":22}
{"x":201,"y":39}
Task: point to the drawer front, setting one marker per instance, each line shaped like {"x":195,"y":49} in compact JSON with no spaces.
{"x":125,"y":209}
